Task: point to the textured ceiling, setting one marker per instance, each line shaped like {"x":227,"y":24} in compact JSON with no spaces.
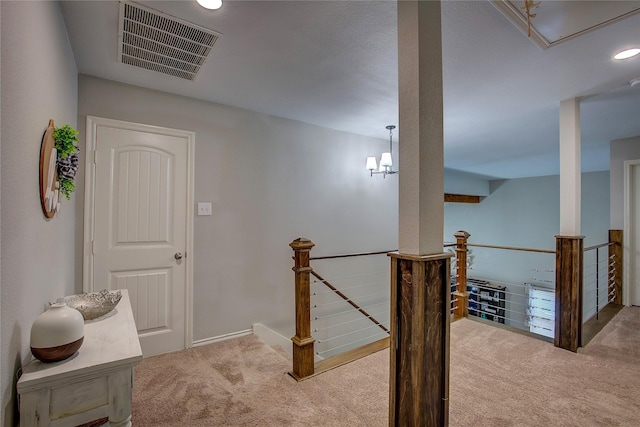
{"x":334,"y":64}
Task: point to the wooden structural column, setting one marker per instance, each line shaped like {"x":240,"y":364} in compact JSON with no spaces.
{"x":420,"y":312}
{"x":461,"y":309}
{"x":615,"y":257}
{"x":303,"y":359}
{"x":569,"y":265}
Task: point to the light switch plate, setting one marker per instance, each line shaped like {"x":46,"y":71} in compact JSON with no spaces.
{"x":204,"y":208}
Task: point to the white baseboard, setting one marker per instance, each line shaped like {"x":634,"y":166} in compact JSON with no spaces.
{"x":266,"y":334}
{"x":272,"y":338}
{"x":224,"y":337}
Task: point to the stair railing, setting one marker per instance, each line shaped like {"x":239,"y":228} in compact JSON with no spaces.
{"x":569,"y":285}
{"x":304,"y":360}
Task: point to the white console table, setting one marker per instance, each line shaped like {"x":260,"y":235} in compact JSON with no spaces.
{"x":94,"y":383}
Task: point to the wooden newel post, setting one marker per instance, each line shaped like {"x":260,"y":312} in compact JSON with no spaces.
{"x":461,"y":308}
{"x":419,"y":356}
{"x":303,"y":359}
{"x":615,"y":258}
{"x":569,"y":267}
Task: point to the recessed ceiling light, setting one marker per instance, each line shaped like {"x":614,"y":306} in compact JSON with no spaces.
{"x":625,"y":54}
{"x":210,"y":4}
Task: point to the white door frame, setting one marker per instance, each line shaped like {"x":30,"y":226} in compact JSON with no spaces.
{"x":89,"y":206}
{"x":626,"y":234}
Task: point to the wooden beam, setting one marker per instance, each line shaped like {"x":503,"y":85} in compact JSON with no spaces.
{"x":460,"y":198}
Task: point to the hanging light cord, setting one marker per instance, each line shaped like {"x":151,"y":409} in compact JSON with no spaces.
{"x":391,"y":128}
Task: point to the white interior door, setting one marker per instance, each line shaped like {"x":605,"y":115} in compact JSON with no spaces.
{"x":141,"y":230}
{"x":633,"y":253}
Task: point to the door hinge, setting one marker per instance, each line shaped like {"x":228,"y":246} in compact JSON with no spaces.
{"x":95,"y":156}
{"x":93,"y":247}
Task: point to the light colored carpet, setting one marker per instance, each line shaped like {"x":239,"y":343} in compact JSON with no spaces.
{"x":498,"y":378}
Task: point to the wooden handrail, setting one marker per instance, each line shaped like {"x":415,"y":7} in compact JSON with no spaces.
{"x":445,"y":245}
{"x":511,"y":248}
{"x":350,"y":301}
{"x":351,"y":255}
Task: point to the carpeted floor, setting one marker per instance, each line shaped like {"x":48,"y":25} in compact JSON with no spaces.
{"x":498,"y":378}
{"x":521,"y":381}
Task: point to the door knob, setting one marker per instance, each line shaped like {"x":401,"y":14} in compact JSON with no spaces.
{"x":178,"y":256}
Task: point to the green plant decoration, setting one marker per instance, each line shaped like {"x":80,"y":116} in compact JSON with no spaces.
{"x":66,"y":140}
{"x":67,"y":186}
{"x":66,"y":143}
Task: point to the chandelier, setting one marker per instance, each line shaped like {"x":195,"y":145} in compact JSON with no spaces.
{"x":529,"y":5}
{"x":386,"y":161}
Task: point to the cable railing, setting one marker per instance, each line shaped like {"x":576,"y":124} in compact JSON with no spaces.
{"x":350,"y":309}
{"x":517,"y":286}
{"x":343,"y":313}
{"x":598,"y":279}
{"x":513,"y":286}
{"x":508,"y":285}
{"x":456,"y":302}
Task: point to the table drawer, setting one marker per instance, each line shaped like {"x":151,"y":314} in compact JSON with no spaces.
{"x":78,"y":397}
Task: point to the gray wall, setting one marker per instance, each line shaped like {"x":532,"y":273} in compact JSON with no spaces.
{"x":271,"y":180}
{"x":621,"y":150}
{"x":38,"y":82}
{"x":526,"y":212}
{"x":458,"y":182}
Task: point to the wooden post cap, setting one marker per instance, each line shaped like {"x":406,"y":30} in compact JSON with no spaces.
{"x":461,"y":234}
{"x":302,"y":243}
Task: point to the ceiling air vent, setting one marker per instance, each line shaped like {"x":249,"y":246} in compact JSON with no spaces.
{"x":159,"y":42}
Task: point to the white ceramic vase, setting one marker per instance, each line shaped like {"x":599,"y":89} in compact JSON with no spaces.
{"x":57,"y":333}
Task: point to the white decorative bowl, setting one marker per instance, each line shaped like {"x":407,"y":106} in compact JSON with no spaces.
{"x":57,"y":333}
{"x":94,"y":304}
